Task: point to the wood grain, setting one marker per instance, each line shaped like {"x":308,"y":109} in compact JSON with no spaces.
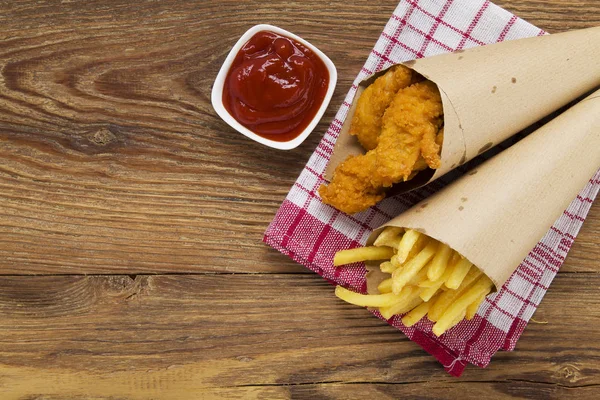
{"x":112,"y":157}
{"x":112,"y":161}
{"x":555,"y":15}
{"x":245,"y":336}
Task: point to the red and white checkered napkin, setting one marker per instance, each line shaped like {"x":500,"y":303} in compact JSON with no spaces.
{"x":311,"y":232}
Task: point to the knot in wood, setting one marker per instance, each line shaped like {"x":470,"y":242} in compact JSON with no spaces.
{"x":570,"y":373}
{"x":102,"y":137}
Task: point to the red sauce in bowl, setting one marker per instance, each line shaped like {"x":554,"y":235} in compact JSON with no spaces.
{"x":275,"y":86}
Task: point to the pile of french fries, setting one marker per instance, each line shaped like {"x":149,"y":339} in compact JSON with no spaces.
{"x":428,"y":278}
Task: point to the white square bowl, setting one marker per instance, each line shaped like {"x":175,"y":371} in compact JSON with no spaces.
{"x":217,"y":90}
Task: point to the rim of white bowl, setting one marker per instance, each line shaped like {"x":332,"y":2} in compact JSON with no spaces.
{"x":217,"y":90}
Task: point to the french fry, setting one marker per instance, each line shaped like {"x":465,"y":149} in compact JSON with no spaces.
{"x":456,"y":257}
{"x":385,"y":286}
{"x":474,"y":306}
{"x":458,"y":274}
{"x":403,"y":299}
{"x":370,"y":253}
{"x":410,"y":300}
{"x":448,"y":297}
{"x":403,"y":275}
{"x":438,"y":265}
{"x":416,"y":248}
{"x":457,"y":309}
{"x":387,"y":267}
{"x":389,"y":312}
{"x":422,"y":241}
{"x":431,"y":290}
{"x":394,"y":243}
{"x":390,"y":236}
{"x":409,"y":239}
{"x":428,"y":278}
{"x":416,"y":314}
{"x":426,"y":284}
{"x":451,"y":264}
{"x":415,"y":280}
{"x":458,"y":318}
{"x":366,"y":300}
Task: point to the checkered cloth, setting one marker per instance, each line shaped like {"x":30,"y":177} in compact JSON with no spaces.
{"x":311,"y":232}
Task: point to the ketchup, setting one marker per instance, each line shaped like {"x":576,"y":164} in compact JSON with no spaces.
{"x":275,"y":86}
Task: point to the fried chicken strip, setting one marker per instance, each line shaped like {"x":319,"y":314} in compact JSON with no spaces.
{"x":350,"y":189}
{"x":372,"y":103}
{"x":410,"y":126}
{"x":410,"y":141}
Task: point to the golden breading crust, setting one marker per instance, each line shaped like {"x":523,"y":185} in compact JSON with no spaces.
{"x":410,"y":126}
{"x":409,"y":141}
{"x":350,"y":189}
{"x":372,"y":103}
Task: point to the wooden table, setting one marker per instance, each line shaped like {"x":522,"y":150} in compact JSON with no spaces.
{"x":131,"y":220}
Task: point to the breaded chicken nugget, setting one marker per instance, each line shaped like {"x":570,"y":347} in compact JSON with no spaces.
{"x":350,"y":189}
{"x":409,"y":142}
{"x":372,"y":103}
{"x":410,"y":126}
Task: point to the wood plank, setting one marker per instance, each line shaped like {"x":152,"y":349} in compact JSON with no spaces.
{"x":111,"y":158}
{"x":112,"y":161}
{"x":584,"y":256}
{"x":252,"y":336}
{"x":442,"y":390}
{"x":555,"y":15}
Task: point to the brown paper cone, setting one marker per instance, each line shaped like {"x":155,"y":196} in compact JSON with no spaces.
{"x":492,"y":92}
{"x":497,"y":213}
